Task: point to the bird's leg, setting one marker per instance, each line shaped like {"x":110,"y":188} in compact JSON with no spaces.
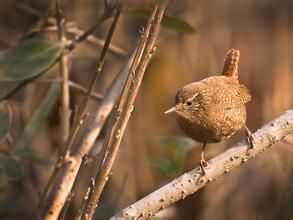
{"x":202,"y":161}
{"x":248,"y":136}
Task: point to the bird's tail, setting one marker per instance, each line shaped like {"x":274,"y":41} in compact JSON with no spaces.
{"x":231,"y":63}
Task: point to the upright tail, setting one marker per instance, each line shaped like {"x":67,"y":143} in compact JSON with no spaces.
{"x":231,"y":63}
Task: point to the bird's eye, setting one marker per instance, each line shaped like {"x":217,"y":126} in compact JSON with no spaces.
{"x":189,"y":103}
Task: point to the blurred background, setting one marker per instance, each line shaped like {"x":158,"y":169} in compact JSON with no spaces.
{"x":154,"y":150}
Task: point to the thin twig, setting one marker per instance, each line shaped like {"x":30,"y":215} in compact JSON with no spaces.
{"x":43,"y":19}
{"x":83,"y":90}
{"x":125,"y":106}
{"x":56,"y":193}
{"x":73,"y":85}
{"x":93,"y":130}
{"x":72,"y":29}
{"x":108,"y":12}
{"x":116,"y":50}
{"x":192,"y":181}
{"x":64,"y":72}
{"x":65,"y":110}
{"x":101,"y":114}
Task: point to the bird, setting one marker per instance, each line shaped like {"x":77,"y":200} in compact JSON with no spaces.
{"x":213,"y":109}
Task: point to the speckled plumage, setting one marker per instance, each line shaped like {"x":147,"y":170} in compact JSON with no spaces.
{"x":217,"y":110}
{"x":212,"y":109}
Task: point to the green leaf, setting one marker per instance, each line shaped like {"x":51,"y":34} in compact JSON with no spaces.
{"x":33,"y":157}
{"x":171,"y":22}
{"x":28,"y":59}
{"x":12,"y":169}
{"x":182,"y":144}
{"x":39,"y":115}
{"x":105,"y":211}
{"x":178,"y":147}
{"x":4,"y":120}
{"x":169,"y":168}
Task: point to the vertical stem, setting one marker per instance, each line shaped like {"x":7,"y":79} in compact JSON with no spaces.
{"x":143,"y":55}
{"x":62,"y":178}
{"x":64,"y":73}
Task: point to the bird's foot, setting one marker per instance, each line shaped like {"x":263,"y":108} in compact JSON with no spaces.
{"x":250,"y":140}
{"x":202,"y":165}
{"x":249,"y":137}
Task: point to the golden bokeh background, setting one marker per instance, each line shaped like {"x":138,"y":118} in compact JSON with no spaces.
{"x":262,"y":31}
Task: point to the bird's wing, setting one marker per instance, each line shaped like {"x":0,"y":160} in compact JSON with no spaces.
{"x":223,"y":92}
{"x":229,"y":94}
{"x":239,"y":95}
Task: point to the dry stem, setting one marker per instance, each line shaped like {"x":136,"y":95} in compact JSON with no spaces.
{"x":74,"y":86}
{"x":143,"y":55}
{"x":64,"y":72}
{"x":72,"y":29}
{"x":59,"y":185}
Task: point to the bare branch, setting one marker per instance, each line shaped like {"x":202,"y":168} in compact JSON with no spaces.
{"x":73,"y":189}
{"x":74,"y":86}
{"x":70,"y":166}
{"x":108,"y":12}
{"x":116,"y":50}
{"x":192,"y":181}
{"x":72,"y":29}
{"x":83,"y":90}
{"x":143,"y":55}
{"x":59,"y":187}
{"x":43,"y":19}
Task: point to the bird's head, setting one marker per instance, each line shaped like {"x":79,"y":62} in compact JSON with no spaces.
{"x":188,"y":101}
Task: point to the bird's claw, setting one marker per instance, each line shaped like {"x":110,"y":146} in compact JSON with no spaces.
{"x":249,"y":137}
{"x":250,"y":140}
{"x":203,"y":164}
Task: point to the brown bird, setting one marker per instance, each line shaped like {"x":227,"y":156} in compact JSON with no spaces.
{"x":212,"y":109}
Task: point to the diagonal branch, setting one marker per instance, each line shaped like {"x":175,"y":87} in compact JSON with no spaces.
{"x":192,"y":181}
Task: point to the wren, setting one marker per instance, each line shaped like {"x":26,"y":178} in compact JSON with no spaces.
{"x":213,"y":109}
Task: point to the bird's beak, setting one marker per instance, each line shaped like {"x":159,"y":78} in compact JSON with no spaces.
{"x":173,"y":109}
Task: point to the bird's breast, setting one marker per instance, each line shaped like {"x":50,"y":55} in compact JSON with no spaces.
{"x":214,"y":125}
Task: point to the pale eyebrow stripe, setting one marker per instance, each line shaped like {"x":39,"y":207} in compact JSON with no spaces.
{"x":193,"y":97}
